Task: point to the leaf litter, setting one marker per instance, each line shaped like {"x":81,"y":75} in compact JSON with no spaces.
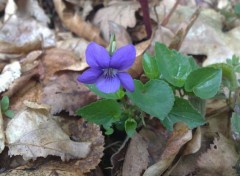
{"x":41,"y":54}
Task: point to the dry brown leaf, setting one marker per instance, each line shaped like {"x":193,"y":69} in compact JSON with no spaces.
{"x":121,"y":12}
{"x":10,"y":73}
{"x":33,"y":133}
{"x":180,"y":136}
{"x":79,"y":131}
{"x":64,"y":92}
{"x":31,"y":92}
{"x":2,"y":135}
{"x":136,"y":158}
{"x":24,"y":35}
{"x":55,"y":60}
{"x":219,"y":159}
{"x":76,"y":23}
{"x":30,"y":61}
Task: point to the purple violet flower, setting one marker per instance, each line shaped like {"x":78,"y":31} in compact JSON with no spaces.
{"x":109,"y":72}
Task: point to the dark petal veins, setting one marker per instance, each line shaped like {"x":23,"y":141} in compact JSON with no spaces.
{"x":108,"y":85}
{"x":126,"y":81}
{"x":90,"y":76}
{"x":97,"y":56}
{"x":123,"y":58}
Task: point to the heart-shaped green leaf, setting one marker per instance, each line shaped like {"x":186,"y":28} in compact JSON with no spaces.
{"x":204,"y":82}
{"x":174,"y":66}
{"x":102,"y":112}
{"x":155,"y":97}
{"x":183,"y":111}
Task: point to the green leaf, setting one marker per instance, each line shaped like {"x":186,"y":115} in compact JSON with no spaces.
{"x":5,"y":103}
{"x":102,"y":112}
{"x":118,"y":95}
{"x":228,"y":74}
{"x":130,"y":127}
{"x":9,"y":114}
{"x":150,"y":66}
{"x":155,"y":97}
{"x":183,"y":111}
{"x":235,"y":124}
{"x":174,"y":66}
{"x":204,"y":82}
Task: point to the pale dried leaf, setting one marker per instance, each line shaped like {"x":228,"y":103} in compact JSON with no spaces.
{"x":180,"y":136}
{"x":76,"y":23}
{"x":83,"y":132}
{"x":10,"y":73}
{"x":21,"y":35}
{"x":66,"y":93}
{"x":32,"y":8}
{"x":136,"y":158}
{"x":219,"y":159}
{"x":121,"y":12}
{"x":76,"y":45}
{"x":2,"y":135}
{"x":33,"y":133}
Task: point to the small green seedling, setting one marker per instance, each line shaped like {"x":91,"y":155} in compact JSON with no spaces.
{"x":5,"y":107}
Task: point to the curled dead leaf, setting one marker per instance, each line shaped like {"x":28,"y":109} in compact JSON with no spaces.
{"x":180,"y":136}
{"x":24,"y":35}
{"x":76,"y":23}
{"x":121,"y":12}
{"x":33,"y":133}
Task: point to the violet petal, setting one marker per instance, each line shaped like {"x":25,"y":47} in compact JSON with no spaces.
{"x":123,"y":58}
{"x":126,"y":81}
{"x":90,"y":76}
{"x":97,"y":56}
{"x":108,"y":85}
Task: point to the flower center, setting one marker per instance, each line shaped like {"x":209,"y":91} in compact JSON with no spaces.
{"x":109,"y":72}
